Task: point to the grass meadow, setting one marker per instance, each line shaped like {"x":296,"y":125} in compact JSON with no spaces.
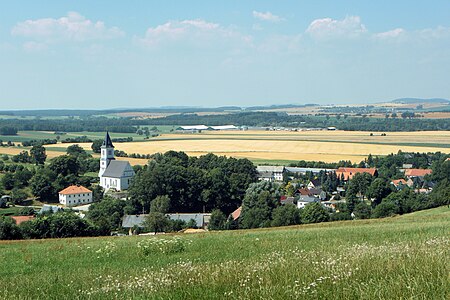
{"x":405,"y":257}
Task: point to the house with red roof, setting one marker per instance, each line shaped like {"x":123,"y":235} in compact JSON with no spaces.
{"x":399,"y":183}
{"x":420,"y":173}
{"x":75,"y":195}
{"x":348,"y":173}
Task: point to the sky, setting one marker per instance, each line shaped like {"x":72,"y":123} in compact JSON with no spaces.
{"x":104,"y":54}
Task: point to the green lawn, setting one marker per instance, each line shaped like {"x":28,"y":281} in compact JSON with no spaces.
{"x":404,"y":257}
{"x":10,"y":211}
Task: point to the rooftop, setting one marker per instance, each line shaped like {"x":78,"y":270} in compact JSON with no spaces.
{"x":116,"y":168}
{"x":75,"y":189}
{"x":107,"y":143}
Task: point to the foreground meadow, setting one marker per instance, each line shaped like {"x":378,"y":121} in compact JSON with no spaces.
{"x":404,"y":257}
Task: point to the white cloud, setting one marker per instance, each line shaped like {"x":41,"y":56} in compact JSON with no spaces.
{"x":34,"y":46}
{"x":73,"y":27}
{"x":435,"y":33}
{"x":190,"y":31}
{"x":394,"y":33}
{"x":267,"y":16}
{"x":349,"y":27}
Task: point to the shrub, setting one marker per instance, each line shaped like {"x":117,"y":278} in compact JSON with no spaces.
{"x":385,"y":209}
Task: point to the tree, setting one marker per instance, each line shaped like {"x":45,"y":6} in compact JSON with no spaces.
{"x":8,"y":181}
{"x":362,"y":211}
{"x":106,"y":214}
{"x":378,"y":190}
{"x":18,"y":195}
{"x":96,"y":146}
{"x":286,"y":215}
{"x":259,"y":201}
{"x":8,"y":229}
{"x":26,"y":211}
{"x":160,"y":204}
{"x":217,"y":220}
{"x":385,"y":209}
{"x":42,"y":187}
{"x":97,"y":193}
{"x":359,"y":184}
{"x":157,"y":222}
{"x":76,"y":150}
{"x":38,"y":155}
{"x":314,"y":213}
{"x":64,"y":165}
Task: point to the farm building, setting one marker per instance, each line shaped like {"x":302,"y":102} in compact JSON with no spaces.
{"x":270,"y":173}
{"x":348,"y":173}
{"x":303,"y":171}
{"x":48,"y":208}
{"x":417,"y":173}
{"x":75,"y":195}
{"x":201,"y":219}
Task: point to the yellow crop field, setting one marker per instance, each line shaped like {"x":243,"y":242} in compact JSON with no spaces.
{"x":328,"y":146}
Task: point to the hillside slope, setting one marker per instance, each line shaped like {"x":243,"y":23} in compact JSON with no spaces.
{"x":402,"y":257}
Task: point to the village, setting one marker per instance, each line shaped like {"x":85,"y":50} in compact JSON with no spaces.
{"x":296,"y":186}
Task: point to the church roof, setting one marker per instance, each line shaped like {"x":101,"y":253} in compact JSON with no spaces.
{"x":107,"y":143}
{"x":116,"y":168}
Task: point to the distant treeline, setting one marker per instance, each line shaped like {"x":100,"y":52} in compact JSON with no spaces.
{"x":8,"y":130}
{"x":271,"y":119}
{"x":259,"y":119}
{"x":123,"y":125}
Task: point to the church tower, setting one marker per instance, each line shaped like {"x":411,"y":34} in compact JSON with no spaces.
{"x":107,"y":154}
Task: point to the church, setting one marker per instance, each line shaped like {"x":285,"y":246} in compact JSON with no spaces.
{"x":114,"y":174}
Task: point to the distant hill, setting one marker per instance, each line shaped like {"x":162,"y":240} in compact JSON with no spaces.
{"x":420,"y":100}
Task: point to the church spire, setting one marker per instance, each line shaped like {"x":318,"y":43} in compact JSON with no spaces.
{"x":107,"y":143}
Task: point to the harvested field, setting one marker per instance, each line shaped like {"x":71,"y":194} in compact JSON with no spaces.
{"x":328,"y":146}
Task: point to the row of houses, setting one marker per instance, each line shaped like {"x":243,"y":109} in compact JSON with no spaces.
{"x":277,"y":173}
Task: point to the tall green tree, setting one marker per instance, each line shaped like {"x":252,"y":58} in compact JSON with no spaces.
{"x":38,"y":154}
{"x":314,"y":213}
{"x":286,"y":215}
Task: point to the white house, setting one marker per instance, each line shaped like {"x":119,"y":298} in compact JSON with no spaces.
{"x":270,"y":173}
{"x":113,"y":174}
{"x":75,"y":195}
{"x":304,"y":200}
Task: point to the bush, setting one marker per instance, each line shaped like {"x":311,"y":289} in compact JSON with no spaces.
{"x":385,"y":209}
{"x":314,"y":213}
{"x":9,"y":230}
{"x":217,"y":220}
{"x":286,"y":215}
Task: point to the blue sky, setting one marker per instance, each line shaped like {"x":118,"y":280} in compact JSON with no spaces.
{"x":111,"y":54}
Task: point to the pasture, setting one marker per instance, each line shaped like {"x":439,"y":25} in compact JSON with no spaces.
{"x":404,"y":257}
{"x":266,"y":146}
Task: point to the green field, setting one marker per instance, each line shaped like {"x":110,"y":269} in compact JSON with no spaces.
{"x":404,"y":257}
{"x":38,"y":135}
